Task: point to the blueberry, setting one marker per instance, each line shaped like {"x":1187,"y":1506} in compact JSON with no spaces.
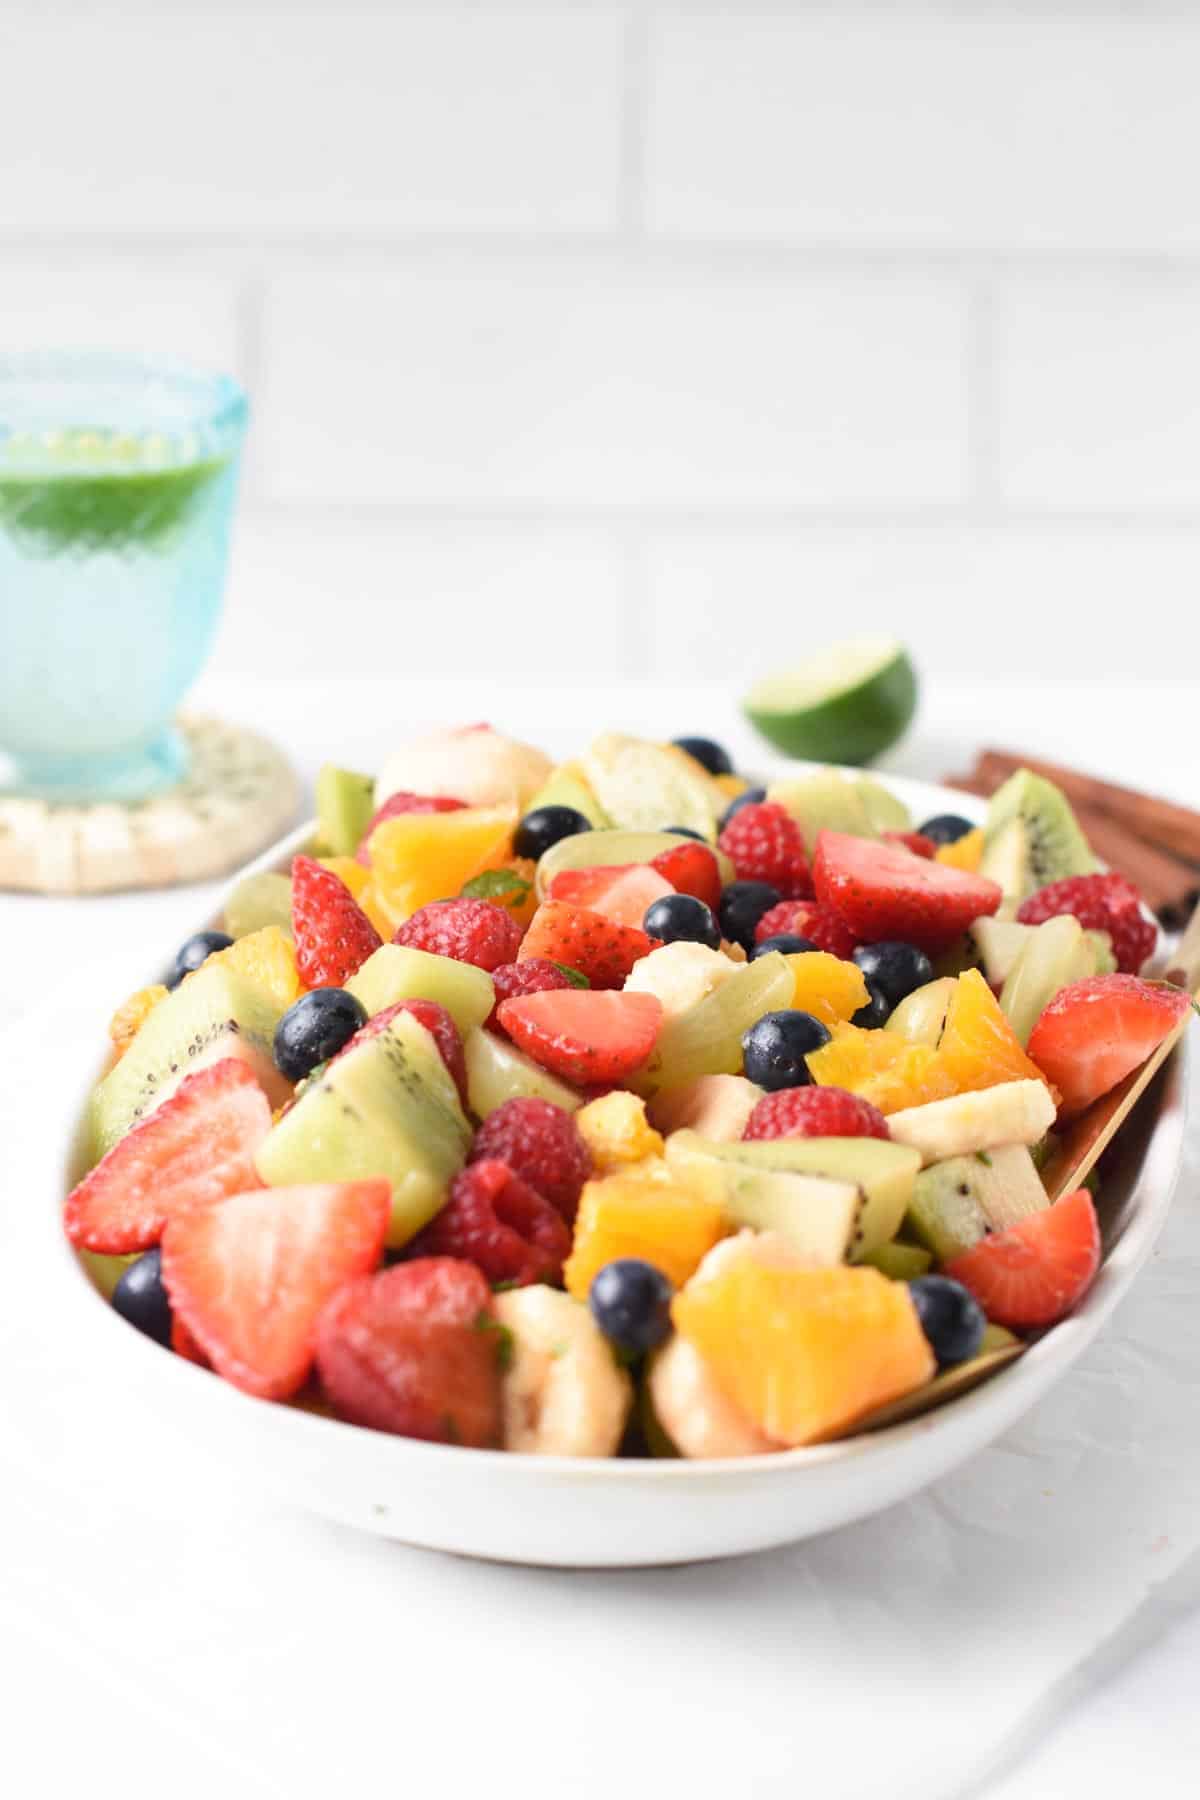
{"x":141,"y":1299}
{"x":315,"y":1028}
{"x":546,"y":826}
{"x":951,"y":1318}
{"x":681,"y":919}
{"x":895,"y":969}
{"x":630,"y":1301}
{"x":743,"y":904}
{"x":714,"y":757}
{"x":946,"y":828}
{"x":751,"y":797}
{"x":685,"y":831}
{"x":775,"y":1048}
{"x":877,"y":1010}
{"x":198,"y":948}
{"x":788,"y":943}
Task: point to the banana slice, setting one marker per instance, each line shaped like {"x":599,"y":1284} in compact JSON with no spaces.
{"x":563,"y":1394}
{"x":478,"y":765}
{"x":692,"y":1410}
{"x":681,"y":975}
{"x":643,"y":786}
{"x":1015,"y":1112}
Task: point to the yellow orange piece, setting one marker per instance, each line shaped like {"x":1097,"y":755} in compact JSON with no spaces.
{"x":804,"y":1352}
{"x":882,"y":1066}
{"x":522,"y":905}
{"x":966,"y":854}
{"x":731,"y":785}
{"x":617,"y":1132}
{"x":979,"y":1048}
{"x":267,"y":958}
{"x":827,"y":987}
{"x":349,"y":871}
{"x":419,"y":857}
{"x":383,"y":921}
{"x":132,"y":1014}
{"x":646,"y":1213}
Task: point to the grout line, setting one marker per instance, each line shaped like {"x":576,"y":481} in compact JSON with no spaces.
{"x":635,"y":104}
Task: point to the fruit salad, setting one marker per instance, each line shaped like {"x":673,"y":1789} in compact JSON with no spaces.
{"x":621,"y":1107}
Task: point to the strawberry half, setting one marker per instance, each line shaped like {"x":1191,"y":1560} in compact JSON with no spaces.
{"x":1096,"y":1032}
{"x":334,"y":937}
{"x":692,"y":868}
{"x":621,"y":894}
{"x":598,"y":947}
{"x":1033,"y":1273}
{"x":882,"y":891}
{"x":249,"y":1276}
{"x":194,"y":1149}
{"x":416,"y":1350}
{"x":584,"y":1036}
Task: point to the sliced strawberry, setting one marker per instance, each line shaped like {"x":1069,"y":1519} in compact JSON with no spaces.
{"x":1096,"y":1032}
{"x":399,"y":803}
{"x":692,"y":868}
{"x":334,"y":937}
{"x":914,"y":841}
{"x":416,"y":1350}
{"x":248,"y":1277}
{"x":598,"y":947}
{"x":438,"y":1024}
{"x":882,"y":891}
{"x":185,"y":1345}
{"x":586,"y":1037}
{"x":1033,"y":1273}
{"x":621,"y":894}
{"x":195,"y":1148}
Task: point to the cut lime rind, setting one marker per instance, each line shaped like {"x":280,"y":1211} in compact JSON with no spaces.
{"x":848,"y":704}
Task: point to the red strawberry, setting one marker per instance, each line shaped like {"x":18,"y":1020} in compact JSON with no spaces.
{"x":913,"y":840}
{"x":334,"y":937}
{"x":598,"y":947}
{"x":808,"y":919}
{"x":691,"y":868}
{"x":815,"y":1112}
{"x":1033,"y":1273}
{"x":416,"y":1350}
{"x":882,"y":891}
{"x":249,"y":1276}
{"x":588,"y":1038}
{"x":497,"y":1221}
{"x":470,"y":931}
{"x":764,"y":843}
{"x":541,"y":1143}
{"x":621,"y":894}
{"x":398,"y":803}
{"x":194,"y":1149}
{"x":1100,"y":903}
{"x":185,"y":1345}
{"x":438,"y":1024}
{"x":1096,"y":1032}
{"x":536,"y":975}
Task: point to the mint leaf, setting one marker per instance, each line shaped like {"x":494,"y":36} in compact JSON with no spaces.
{"x":983,"y":1157}
{"x":574,"y":976}
{"x":504,"y":1338}
{"x":496,"y":884}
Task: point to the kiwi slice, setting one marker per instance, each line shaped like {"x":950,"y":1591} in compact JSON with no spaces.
{"x":384,"y":1107}
{"x":258,"y":901}
{"x":884,"y":810}
{"x":394,"y":972}
{"x":957,"y":1202}
{"x":900,"y":1262}
{"x":568,"y":787}
{"x":817,"y":1217}
{"x":215,"y":1013}
{"x":497,"y":1071}
{"x":1032,"y":837}
{"x":1056,"y":953}
{"x":825,"y":802}
{"x":345,"y":806}
{"x":707,"y":1038}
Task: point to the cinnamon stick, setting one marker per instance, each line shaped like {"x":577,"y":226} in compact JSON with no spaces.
{"x":1175,"y":828}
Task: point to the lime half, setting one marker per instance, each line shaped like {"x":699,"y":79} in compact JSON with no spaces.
{"x":846,"y":704}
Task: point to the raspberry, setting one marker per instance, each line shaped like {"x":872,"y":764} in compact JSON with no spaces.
{"x":437,"y":1022}
{"x":498,"y":1222}
{"x":536,"y":975}
{"x":334,"y":937}
{"x":395,"y":804}
{"x":815,"y":1112}
{"x":765,"y":843}
{"x":470,"y":931}
{"x":822,"y":927}
{"x":778,"y":922}
{"x":1100,"y":903}
{"x":542,"y":1144}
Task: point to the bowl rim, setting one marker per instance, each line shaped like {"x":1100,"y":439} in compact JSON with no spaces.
{"x":1052,"y":1352}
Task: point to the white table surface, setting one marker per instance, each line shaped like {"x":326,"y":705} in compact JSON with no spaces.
{"x":86,"y":1654}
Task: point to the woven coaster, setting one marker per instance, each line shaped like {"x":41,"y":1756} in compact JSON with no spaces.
{"x":239,"y":794}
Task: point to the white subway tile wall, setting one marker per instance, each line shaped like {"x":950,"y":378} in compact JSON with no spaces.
{"x":649,"y":337}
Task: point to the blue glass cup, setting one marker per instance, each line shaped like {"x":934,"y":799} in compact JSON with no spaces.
{"x":117,"y":483}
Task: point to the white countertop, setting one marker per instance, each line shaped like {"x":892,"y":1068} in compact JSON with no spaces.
{"x":162,"y":1631}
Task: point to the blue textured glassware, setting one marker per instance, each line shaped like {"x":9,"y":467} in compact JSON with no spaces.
{"x":117,"y":483}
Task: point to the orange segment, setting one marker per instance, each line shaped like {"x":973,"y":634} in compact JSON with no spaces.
{"x":804,"y":1352}
{"x":617,"y":1132}
{"x":349,"y":871}
{"x":268,"y":959}
{"x":966,"y":854}
{"x":827,"y":987}
{"x":644,"y":1213}
{"x":419,"y":857}
{"x":385,"y":924}
{"x":132,"y":1014}
{"x":979,"y":1048}
{"x":882,"y":1066}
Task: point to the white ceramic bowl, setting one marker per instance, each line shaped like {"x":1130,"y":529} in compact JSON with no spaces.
{"x":594,"y":1513}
